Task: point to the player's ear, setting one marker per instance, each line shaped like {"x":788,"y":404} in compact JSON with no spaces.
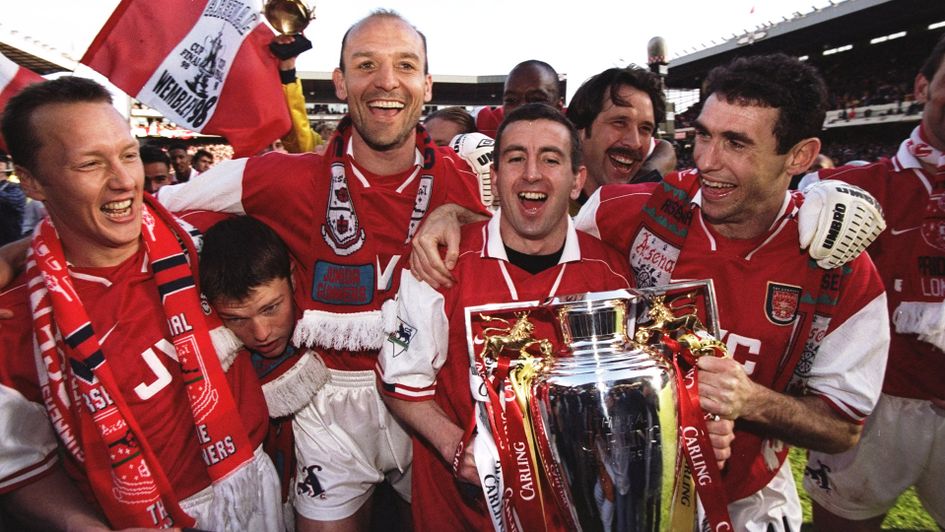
{"x":802,"y":155}
{"x":338,"y":78}
{"x":31,"y":186}
{"x":579,"y":179}
{"x":921,"y":88}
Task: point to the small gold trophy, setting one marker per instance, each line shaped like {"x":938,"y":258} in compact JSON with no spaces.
{"x":289,"y":17}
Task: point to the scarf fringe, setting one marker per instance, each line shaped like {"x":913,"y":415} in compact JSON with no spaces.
{"x":227,"y":346}
{"x":355,"y":331}
{"x":924,"y":319}
{"x":235,"y":497}
{"x":294,"y":389}
{"x":389,"y":317}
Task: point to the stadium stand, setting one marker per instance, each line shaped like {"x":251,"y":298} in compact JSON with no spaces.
{"x":867,"y":51}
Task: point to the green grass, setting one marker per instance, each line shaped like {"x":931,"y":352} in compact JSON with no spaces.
{"x":908,"y":513}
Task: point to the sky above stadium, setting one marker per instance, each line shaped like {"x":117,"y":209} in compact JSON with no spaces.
{"x":478,"y":37}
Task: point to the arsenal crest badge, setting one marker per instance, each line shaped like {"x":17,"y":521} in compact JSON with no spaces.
{"x":781,"y":303}
{"x":342,"y":231}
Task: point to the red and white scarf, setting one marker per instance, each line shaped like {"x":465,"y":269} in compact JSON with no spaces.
{"x":929,"y":155}
{"x":122,"y":468}
{"x":921,"y":313}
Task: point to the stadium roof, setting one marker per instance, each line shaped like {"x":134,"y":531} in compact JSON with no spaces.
{"x":33,"y":54}
{"x":30,"y":61}
{"x":852,"y":21}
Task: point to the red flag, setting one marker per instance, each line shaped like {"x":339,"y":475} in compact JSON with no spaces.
{"x":204,"y":64}
{"x":13,"y":78}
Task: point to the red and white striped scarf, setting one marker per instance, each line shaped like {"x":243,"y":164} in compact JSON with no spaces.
{"x":929,"y":155}
{"x":122,"y":468}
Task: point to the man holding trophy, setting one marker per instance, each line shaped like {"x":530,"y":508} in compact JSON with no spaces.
{"x":808,"y":344}
{"x":528,"y":251}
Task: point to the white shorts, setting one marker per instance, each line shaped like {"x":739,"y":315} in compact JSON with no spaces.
{"x":775,"y":507}
{"x":347,"y":442}
{"x":264,"y":498}
{"x":903,"y":445}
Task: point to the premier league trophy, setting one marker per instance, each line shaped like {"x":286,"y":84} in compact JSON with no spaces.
{"x":585,"y":416}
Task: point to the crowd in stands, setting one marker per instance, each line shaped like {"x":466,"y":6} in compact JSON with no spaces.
{"x":844,"y":152}
{"x":877,"y":74}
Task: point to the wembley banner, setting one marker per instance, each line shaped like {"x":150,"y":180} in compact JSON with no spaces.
{"x":204,"y":64}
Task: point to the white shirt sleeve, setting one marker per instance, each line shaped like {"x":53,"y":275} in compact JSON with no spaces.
{"x":586,"y":219}
{"x":849,"y":367}
{"x":28,"y":446}
{"x":219,"y":189}
{"x":415,"y":351}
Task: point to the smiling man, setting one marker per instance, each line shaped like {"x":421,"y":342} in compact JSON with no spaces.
{"x":155,"y":429}
{"x":617,"y":112}
{"x":797,"y":377}
{"x":528,"y":250}
{"x":347,"y":217}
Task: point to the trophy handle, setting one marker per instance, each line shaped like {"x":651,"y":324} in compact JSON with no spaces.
{"x":704,"y":287}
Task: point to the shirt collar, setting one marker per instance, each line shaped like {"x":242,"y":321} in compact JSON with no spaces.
{"x":418,"y":157}
{"x":905,"y":158}
{"x":788,"y":207}
{"x":495,"y":247}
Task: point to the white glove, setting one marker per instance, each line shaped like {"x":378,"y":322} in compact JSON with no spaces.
{"x":476,"y":150}
{"x":838,"y":221}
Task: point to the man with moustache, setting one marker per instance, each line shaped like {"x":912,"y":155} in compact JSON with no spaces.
{"x":154,"y":421}
{"x":347,"y":217}
{"x":617,"y":112}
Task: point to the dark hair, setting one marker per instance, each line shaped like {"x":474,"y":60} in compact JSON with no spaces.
{"x":539,"y":111}
{"x":239,"y":255}
{"x":934,"y":61}
{"x":176,"y":146}
{"x":542,"y":66}
{"x":588,"y":101}
{"x":18,"y":131}
{"x":778,"y":81}
{"x":384,"y":13}
{"x":455,"y":114}
{"x":154,"y":154}
{"x":202,"y":153}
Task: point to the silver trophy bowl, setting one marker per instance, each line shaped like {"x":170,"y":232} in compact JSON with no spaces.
{"x":610,"y":415}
